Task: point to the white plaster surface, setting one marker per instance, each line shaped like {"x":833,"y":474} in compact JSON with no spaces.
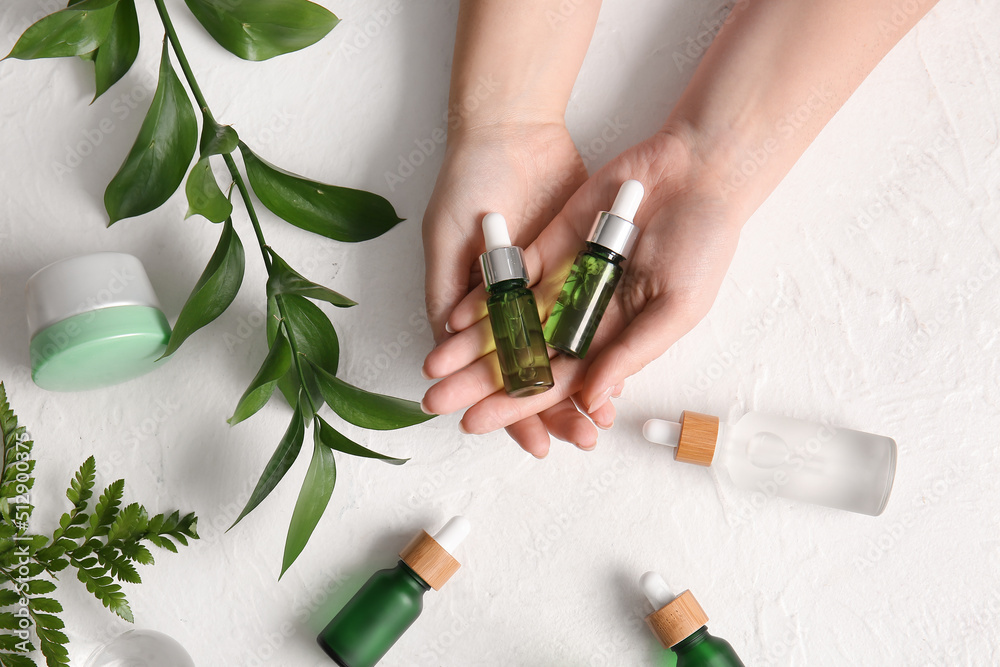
{"x":865,"y":291}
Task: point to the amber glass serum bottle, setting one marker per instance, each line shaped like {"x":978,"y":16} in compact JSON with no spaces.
{"x":517,"y":328}
{"x":595,"y":274}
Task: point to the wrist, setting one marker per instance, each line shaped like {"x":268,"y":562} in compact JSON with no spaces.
{"x":484,"y":105}
{"x":740,"y":162}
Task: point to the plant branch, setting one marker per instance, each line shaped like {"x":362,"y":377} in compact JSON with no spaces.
{"x":199,"y":97}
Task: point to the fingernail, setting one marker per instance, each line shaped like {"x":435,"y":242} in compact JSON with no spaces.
{"x":423,"y":408}
{"x":447,"y":327}
{"x":604,"y":427}
{"x":600,"y":400}
{"x":424,"y":374}
{"x":588,"y":448}
{"x":461,"y":427}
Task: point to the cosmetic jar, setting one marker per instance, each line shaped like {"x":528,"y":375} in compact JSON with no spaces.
{"x":93,"y":321}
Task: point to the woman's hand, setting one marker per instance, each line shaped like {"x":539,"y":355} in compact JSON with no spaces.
{"x":689,"y":227}
{"x":527,"y":171}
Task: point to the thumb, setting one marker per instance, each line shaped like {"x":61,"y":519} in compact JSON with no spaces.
{"x":447,"y":279}
{"x":650,"y":334}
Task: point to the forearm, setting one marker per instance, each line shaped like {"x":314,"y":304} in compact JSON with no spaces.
{"x":517,"y":59}
{"x":774,"y":76}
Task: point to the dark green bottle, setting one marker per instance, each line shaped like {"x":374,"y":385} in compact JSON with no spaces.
{"x":517,"y":328}
{"x":391,"y":600}
{"x":595,"y":274}
{"x":679,"y":623}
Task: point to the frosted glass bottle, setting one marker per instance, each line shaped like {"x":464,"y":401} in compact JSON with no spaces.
{"x":790,"y":458}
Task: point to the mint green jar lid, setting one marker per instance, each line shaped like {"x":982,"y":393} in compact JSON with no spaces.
{"x":93,"y":321}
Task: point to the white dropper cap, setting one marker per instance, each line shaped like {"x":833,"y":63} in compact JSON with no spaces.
{"x":662,"y":432}
{"x":431,"y":558}
{"x":453,"y":532}
{"x":694,"y":439}
{"x":628,"y":200}
{"x":495,"y":231}
{"x":674,"y":617}
{"x":501,"y":261}
{"x":615,"y":229}
{"x":656,"y":590}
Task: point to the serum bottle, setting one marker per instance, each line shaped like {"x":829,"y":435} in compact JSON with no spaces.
{"x":595,"y":274}
{"x":378,"y":614}
{"x":791,"y":458}
{"x":679,"y":623}
{"x":517,"y":329}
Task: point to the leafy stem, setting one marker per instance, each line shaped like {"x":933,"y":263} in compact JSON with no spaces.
{"x":299,"y":333}
{"x":175,"y":46}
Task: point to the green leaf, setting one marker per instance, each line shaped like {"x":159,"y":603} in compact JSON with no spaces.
{"x":117,"y":53}
{"x":282,"y":459}
{"x":313,"y":499}
{"x":333,"y":439}
{"x":15,"y":660}
{"x":204,"y":195}
{"x":107,"y":508}
{"x":314,"y":337}
{"x":217,"y":139}
{"x":262,"y":29}
{"x":156,"y":165}
{"x":276,"y":364}
{"x":283,"y":279}
{"x":82,"y":485}
{"x":40,"y":587}
{"x":74,"y":31}
{"x":366,"y":409}
{"x":342,"y":214}
{"x":214,"y":291}
{"x":131,"y":521}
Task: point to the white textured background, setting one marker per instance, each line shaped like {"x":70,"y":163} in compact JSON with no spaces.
{"x":864,"y":291}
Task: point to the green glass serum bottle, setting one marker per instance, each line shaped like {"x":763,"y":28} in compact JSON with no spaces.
{"x":679,"y":623}
{"x":595,"y":274}
{"x":517,"y":328}
{"x":378,"y":614}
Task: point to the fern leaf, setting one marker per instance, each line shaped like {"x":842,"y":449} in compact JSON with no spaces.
{"x":82,"y":486}
{"x":106,"y":509}
{"x":137,"y":552}
{"x":15,"y":660}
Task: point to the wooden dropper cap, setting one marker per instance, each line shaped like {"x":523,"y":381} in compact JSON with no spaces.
{"x":694,"y":438}
{"x":430,"y":557}
{"x":675,"y":618}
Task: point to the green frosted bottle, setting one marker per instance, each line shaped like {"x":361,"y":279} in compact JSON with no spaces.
{"x":391,"y":600}
{"x":596,"y":272}
{"x":375,"y":618}
{"x":679,"y":623}
{"x":517,"y":328}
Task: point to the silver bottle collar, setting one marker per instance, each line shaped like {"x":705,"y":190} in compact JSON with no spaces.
{"x":503,"y":264}
{"x":614,"y":233}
